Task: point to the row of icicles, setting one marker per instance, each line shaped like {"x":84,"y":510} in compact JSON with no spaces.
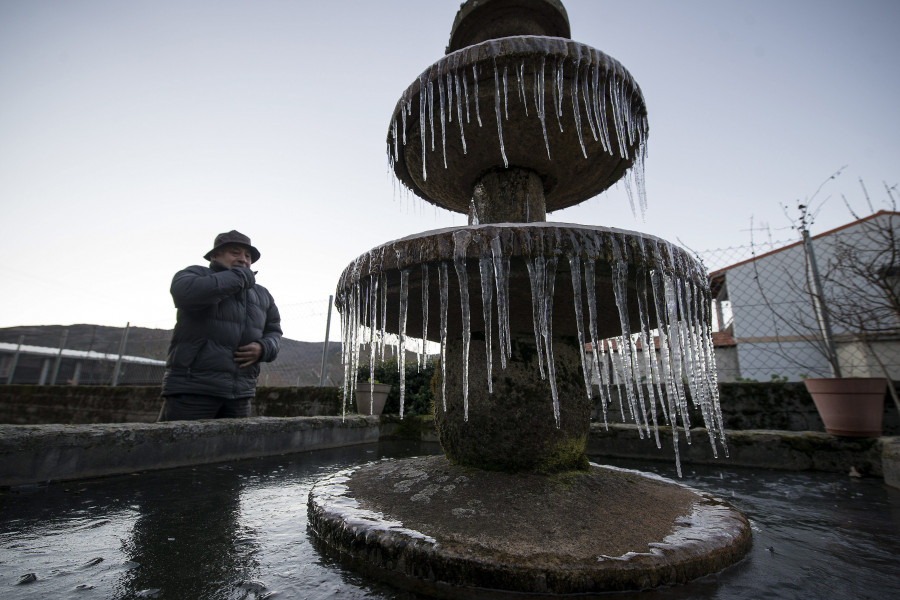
{"x":653,"y":384}
{"x":595,"y":85}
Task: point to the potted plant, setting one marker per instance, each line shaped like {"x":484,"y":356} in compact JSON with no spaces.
{"x":371,"y":396}
{"x":859,"y":296}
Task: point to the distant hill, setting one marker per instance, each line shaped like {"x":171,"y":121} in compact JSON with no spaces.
{"x":298,"y":363}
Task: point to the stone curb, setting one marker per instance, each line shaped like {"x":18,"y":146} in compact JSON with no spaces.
{"x":42,"y":453}
{"x":767,"y":449}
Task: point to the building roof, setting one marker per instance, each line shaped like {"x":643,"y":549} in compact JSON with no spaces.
{"x":718,"y":273}
{"x":7,"y":347}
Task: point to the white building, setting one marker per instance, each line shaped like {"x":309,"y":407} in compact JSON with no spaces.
{"x":766,"y":306}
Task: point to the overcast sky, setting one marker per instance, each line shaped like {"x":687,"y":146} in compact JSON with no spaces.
{"x":132,"y":132}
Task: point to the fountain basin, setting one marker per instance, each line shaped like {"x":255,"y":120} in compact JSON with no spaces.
{"x":452,"y":532}
{"x":562,"y":109}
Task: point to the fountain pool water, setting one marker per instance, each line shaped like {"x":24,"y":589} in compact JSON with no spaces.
{"x":239,"y":531}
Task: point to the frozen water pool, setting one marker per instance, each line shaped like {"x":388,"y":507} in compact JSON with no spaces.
{"x":238,"y":531}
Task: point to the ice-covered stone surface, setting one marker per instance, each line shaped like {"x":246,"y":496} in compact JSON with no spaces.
{"x":424,"y":522}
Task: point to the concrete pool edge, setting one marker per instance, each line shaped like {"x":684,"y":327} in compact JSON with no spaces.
{"x":33,"y":454}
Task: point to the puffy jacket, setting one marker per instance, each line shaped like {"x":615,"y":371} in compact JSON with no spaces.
{"x":219,"y":310}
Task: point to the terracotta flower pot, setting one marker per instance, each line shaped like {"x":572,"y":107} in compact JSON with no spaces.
{"x":849,"y":406}
{"x":370,"y":398}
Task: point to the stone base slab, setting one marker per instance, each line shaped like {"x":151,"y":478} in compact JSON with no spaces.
{"x":450,"y":531}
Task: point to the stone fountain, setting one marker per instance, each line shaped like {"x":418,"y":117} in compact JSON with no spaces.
{"x":518,"y":120}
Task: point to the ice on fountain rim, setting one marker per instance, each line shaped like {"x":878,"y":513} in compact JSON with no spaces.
{"x":332,"y":496}
{"x":616,"y":90}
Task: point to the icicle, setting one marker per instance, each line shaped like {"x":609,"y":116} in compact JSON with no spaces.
{"x":431,"y":111}
{"x":558,"y":91}
{"x":383,"y":340}
{"x":501,"y":276}
{"x":536,"y":278}
{"x":603,"y":362}
{"x":450,"y":97}
{"x":459,"y":109}
{"x":520,"y":88}
{"x":575,"y":267}
{"x":422,"y":123}
{"x":539,"y":103}
{"x":627,"y":181}
{"x":505,"y":92}
{"x":497,"y":113}
{"x":547,"y":332}
{"x":443,"y":285}
{"x":631,"y":380}
{"x":396,"y":141}
{"x":461,"y":241}
{"x":345,"y":349}
{"x":422,"y":358}
{"x":585,"y":95}
{"x":401,"y":346}
{"x":404,"y":110}
{"x":475,"y":78}
{"x":440,"y":84}
{"x":576,"y":111}
{"x":465,"y":87}
{"x":486,"y":270}
{"x":524,"y":98}
{"x":373,"y":312}
{"x":596,"y":345}
{"x":602,"y":121}
{"x":649,"y":352}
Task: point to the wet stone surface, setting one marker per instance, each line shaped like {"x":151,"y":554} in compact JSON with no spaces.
{"x":428,"y":526}
{"x":571,"y":515}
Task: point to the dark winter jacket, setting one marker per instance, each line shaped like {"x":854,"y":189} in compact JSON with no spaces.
{"x":219,"y":309}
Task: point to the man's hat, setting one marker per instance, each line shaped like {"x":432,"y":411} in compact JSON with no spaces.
{"x":233,"y":237}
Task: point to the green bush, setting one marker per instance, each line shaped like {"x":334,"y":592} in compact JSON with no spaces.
{"x":419,"y":395}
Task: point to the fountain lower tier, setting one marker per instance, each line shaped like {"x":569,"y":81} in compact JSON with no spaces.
{"x":533,"y":320}
{"x":556,"y":107}
{"x":429,"y":526}
{"x":496,"y":265}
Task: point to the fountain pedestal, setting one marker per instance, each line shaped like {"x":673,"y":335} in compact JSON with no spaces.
{"x":513,"y":429}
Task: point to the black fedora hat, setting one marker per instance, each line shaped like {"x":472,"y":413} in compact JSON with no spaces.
{"x":233,"y":237}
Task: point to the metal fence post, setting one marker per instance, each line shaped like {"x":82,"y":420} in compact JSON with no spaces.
{"x":15,"y":360}
{"x":56,"y":363}
{"x":115,"y":377}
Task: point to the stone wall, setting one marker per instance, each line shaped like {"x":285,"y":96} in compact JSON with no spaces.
{"x":745,"y":406}
{"x":33,"y":405}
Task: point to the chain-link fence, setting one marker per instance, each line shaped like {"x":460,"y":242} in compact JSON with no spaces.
{"x":789,"y":310}
{"x":100,"y":355}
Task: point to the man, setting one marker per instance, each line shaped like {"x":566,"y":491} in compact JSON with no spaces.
{"x":226,"y":326}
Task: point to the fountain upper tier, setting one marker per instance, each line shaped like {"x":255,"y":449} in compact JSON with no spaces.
{"x":481,"y":20}
{"x":552,"y":106}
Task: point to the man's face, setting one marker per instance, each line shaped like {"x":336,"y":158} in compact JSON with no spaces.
{"x":232,"y":255}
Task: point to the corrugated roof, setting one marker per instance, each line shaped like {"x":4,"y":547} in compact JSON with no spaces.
{"x":78,"y":354}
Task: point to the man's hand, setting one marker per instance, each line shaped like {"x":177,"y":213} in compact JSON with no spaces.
{"x":247,"y":355}
{"x":247,"y":275}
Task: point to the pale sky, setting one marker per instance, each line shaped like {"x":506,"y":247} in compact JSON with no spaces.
{"x":131,"y":133}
